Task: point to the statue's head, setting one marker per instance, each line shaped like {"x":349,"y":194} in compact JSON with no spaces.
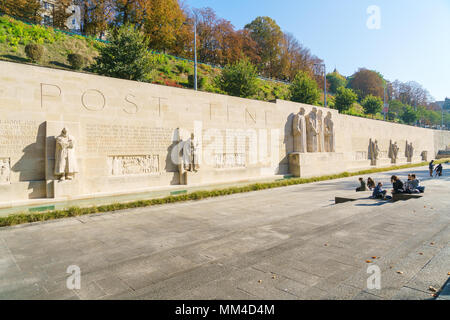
{"x":64,"y":132}
{"x":314,"y":110}
{"x":302,"y":110}
{"x":319,"y":113}
{"x":192,"y":136}
{"x":329,"y":114}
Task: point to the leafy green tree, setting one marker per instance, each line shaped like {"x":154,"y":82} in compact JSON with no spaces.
{"x":395,"y":109}
{"x":408,"y":115}
{"x":335,"y":80}
{"x":304,"y":89}
{"x":446,"y":105}
{"x":344,"y":99}
{"x":372,"y":104}
{"x":268,"y":36}
{"x":239,"y":79}
{"x":125,"y":56}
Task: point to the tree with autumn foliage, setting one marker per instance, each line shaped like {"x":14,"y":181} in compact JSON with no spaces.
{"x":96,"y":16}
{"x":367,"y":82}
{"x":160,"y":20}
{"x":61,"y":13}
{"x":25,"y":9}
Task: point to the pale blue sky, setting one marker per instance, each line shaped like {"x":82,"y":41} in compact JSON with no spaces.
{"x":413,"y":42}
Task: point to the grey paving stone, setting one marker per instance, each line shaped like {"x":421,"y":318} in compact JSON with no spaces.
{"x":219,"y":248}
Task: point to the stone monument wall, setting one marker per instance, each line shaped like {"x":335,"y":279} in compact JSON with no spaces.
{"x":128,"y":136}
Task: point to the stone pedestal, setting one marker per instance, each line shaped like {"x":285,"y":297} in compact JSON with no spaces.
{"x":384,"y":162}
{"x":190,"y":178}
{"x":63,"y":189}
{"x":317,"y":163}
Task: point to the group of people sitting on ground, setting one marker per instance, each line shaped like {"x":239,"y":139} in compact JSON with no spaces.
{"x":438,"y":170}
{"x":412,"y":185}
{"x":377,"y":189}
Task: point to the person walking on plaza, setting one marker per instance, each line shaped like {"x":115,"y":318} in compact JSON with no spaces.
{"x":439,"y":170}
{"x":431,"y":167}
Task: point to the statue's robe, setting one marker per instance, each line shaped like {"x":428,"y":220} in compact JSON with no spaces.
{"x":65,"y":160}
{"x":299,"y":133}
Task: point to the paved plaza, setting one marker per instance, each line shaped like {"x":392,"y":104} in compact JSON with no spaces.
{"x":284,"y":243}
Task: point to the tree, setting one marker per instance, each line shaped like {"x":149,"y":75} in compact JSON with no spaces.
{"x":268,"y":36}
{"x":372,"y":104}
{"x":408,"y":115}
{"x":336,"y":80}
{"x":304,"y":89}
{"x":96,"y":16}
{"x":395,"y":109}
{"x":367,"y":82}
{"x":125,"y":56}
{"x":239,"y":79}
{"x":344,"y":99}
{"x":411,"y":93}
{"x":25,"y":9}
{"x":294,"y":58}
{"x":61,"y":13}
{"x":161,"y":22}
{"x":446,"y":104}
{"x":219,"y":43}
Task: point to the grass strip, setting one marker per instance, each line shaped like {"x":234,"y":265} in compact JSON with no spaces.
{"x":21,"y":218}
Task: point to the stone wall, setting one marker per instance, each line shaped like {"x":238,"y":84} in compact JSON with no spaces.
{"x":127,"y":135}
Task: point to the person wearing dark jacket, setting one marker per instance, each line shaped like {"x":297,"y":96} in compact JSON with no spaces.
{"x":362,"y":186}
{"x":397,"y":184}
{"x":378,"y":192}
{"x":431,"y":167}
{"x":439,"y":170}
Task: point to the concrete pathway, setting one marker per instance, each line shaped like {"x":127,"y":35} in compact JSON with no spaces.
{"x":285,"y":243}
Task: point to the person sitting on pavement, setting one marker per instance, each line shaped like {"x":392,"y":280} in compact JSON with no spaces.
{"x":397,"y":184}
{"x":362,"y":187}
{"x":370,"y":183}
{"x":416,"y":184}
{"x":378,"y":192}
{"x":411,"y":185}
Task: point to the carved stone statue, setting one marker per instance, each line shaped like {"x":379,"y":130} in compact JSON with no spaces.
{"x":409,"y":151}
{"x":299,"y":131}
{"x":321,"y":138}
{"x":424,"y":155}
{"x":374,"y":151}
{"x":65,"y":160}
{"x":328,"y":134}
{"x":393,"y":151}
{"x":312,"y":131}
{"x":5,"y":171}
{"x":190,"y":154}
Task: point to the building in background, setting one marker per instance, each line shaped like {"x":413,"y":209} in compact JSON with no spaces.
{"x":73,"y":22}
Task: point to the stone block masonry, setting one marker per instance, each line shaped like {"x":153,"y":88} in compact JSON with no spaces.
{"x":125,"y":136}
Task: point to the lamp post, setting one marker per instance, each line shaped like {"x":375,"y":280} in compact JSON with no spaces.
{"x":321,"y":68}
{"x":195,"y":51}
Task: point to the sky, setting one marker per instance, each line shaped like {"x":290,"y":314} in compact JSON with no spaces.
{"x":408,"y":40}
